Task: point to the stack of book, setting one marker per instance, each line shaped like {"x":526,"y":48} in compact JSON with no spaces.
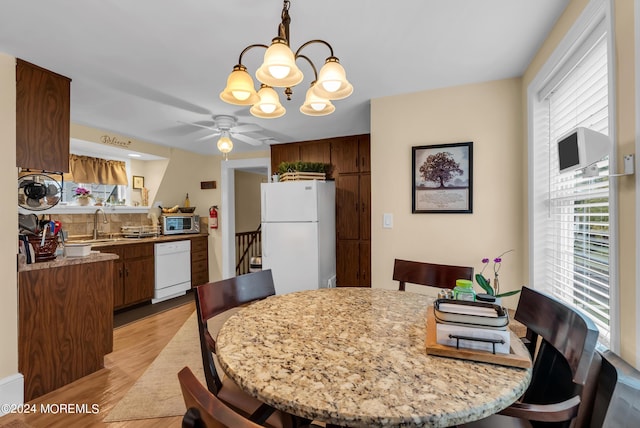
{"x":472,"y":325}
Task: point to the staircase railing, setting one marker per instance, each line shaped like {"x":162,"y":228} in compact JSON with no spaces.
{"x":248,"y":244}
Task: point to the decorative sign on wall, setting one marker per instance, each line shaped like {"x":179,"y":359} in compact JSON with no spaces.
{"x":442,"y":179}
{"x":207,"y":184}
{"x":113,"y":141}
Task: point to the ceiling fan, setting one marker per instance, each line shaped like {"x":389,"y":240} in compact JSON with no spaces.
{"x":224,"y":124}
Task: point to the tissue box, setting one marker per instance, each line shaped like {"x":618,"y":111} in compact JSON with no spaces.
{"x":77,"y":250}
{"x":443,"y":331}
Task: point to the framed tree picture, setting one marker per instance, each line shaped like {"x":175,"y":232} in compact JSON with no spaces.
{"x":442,"y":177}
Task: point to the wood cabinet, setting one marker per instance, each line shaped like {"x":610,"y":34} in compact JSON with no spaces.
{"x":42,"y":118}
{"x":283,"y":153}
{"x":133,"y":279}
{"x":65,"y":323}
{"x":351,"y":168}
{"x":199,"y":261}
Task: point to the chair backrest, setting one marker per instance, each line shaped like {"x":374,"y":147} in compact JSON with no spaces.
{"x":430,"y":274}
{"x":617,"y":400}
{"x":566,"y":350}
{"x":205,"y":410}
{"x":214,"y":298}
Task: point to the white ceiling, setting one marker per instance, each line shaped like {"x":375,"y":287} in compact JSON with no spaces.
{"x":141,"y":68}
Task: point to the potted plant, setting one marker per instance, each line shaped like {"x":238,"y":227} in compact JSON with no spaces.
{"x":302,"y":170}
{"x":485,"y":283}
{"x":82,"y":195}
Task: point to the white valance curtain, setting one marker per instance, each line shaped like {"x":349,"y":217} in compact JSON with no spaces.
{"x":85,"y":169}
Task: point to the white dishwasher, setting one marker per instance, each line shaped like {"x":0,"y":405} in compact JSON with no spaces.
{"x":172,"y":270}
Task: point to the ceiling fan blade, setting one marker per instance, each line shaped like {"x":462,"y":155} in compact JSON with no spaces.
{"x":249,"y":127}
{"x":206,"y":137}
{"x":246,"y":139}
{"x":198,"y":125}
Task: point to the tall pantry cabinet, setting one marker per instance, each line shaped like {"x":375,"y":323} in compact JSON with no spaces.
{"x":351,"y":169}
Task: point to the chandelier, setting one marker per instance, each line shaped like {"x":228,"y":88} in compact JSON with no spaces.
{"x":279,"y":70}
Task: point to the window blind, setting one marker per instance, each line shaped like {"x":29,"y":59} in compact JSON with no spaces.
{"x":572,"y":237}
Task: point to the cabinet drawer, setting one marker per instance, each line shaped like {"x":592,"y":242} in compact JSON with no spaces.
{"x":199,"y":278}
{"x":199,"y":244}
{"x":199,"y":266}
{"x":198,"y":256}
{"x":140,"y":250}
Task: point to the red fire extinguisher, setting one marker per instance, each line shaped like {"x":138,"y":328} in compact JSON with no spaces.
{"x":213,"y":217}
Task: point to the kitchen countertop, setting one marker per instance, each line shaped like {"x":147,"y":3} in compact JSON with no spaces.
{"x":64,"y":261}
{"x":96,"y":255}
{"x":356,"y":357}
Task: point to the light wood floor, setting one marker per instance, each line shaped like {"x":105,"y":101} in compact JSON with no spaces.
{"x":135,"y":346}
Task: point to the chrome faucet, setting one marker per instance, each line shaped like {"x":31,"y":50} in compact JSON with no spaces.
{"x":95,"y":221}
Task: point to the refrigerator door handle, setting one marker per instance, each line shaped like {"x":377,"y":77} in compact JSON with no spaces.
{"x":265,"y":241}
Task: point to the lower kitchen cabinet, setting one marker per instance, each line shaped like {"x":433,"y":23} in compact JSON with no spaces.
{"x":134,"y":279}
{"x":353,"y":267}
{"x":199,"y":260}
{"x":65,"y":324}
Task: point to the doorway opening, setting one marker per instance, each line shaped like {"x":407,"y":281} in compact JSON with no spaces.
{"x":228,"y":208}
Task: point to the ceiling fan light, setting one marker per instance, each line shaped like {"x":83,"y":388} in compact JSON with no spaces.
{"x":279,"y":67}
{"x":332,"y":81}
{"x":240,"y":88}
{"x":225,"y":145}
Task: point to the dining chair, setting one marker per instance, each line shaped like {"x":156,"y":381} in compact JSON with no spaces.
{"x":430,"y":274}
{"x":617,"y":398}
{"x":562,"y":342}
{"x":213,"y":300}
{"x":205,"y":410}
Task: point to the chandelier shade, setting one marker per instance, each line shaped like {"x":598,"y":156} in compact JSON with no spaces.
{"x":315,"y":105}
{"x":279,"y":70}
{"x":240,"y":89}
{"x":269,"y":106}
{"x":332,"y":81}
{"x":279,"y":67}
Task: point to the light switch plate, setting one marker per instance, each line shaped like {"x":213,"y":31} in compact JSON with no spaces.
{"x":387,"y":220}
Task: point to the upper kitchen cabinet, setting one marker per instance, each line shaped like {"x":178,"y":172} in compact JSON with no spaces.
{"x":284,"y":153}
{"x":42,"y":118}
{"x":351,"y":154}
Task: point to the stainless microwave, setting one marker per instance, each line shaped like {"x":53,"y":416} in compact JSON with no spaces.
{"x":176,"y":224}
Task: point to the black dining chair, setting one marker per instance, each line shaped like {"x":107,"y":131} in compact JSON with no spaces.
{"x":617,"y":397}
{"x":562,"y":342}
{"x":429,"y":274}
{"x":214,"y":299}
{"x":205,"y":410}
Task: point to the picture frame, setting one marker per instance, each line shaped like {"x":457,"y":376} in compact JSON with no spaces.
{"x":442,"y":178}
{"x":138,"y":182}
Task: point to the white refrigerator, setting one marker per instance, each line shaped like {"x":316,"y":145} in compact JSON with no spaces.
{"x":299,"y":234}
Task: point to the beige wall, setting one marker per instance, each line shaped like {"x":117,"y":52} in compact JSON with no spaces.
{"x":9,"y":218}
{"x":247,"y":190}
{"x":489,"y":115}
{"x":625,"y":144}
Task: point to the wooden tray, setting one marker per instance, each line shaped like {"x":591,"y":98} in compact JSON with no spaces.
{"x":519,"y":356}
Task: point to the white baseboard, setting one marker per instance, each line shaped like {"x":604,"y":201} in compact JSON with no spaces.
{"x":12,"y":390}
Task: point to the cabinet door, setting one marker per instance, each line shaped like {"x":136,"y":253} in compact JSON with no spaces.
{"x":348,"y":263}
{"x":364,"y":152}
{"x":347,"y":207}
{"x":284,"y":153}
{"x":364,"y":187}
{"x":138,"y":280}
{"x":42,"y":118}
{"x":344,"y":155}
{"x":365,"y":264}
{"x":317,"y":151}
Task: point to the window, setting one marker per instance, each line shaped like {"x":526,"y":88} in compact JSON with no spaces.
{"x":571,"y":229}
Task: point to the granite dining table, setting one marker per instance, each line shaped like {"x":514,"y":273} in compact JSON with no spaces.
{"x":356,"y":357}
